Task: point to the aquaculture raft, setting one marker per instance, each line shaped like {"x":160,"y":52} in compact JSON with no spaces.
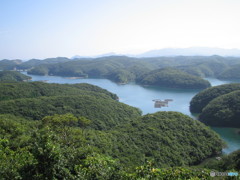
{"x":161,"y":103}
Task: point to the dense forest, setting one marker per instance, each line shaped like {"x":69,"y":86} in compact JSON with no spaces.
{"x":223,"y":111}
{"x":231,"y":73}
{"x":81,"y":131}
{"x":200,"y":100}
{"x":13,"y":76}
{"x":10,"y":91}
{"x":218,"y":106}
{"x":123,"y":69}
{"x":231,"y":161}
{"x":173,"y":78}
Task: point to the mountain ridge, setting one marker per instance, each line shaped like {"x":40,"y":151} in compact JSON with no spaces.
{"x":191,"y":51}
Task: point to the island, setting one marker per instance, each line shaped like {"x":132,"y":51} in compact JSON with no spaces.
{"x":218,"y":106}
{"x":173,"y":78}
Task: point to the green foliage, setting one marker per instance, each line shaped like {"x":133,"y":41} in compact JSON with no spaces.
{"x":200,"y":100}
{"x":180,"y":173}
{"x":35,"y":62}
{"x":99,"y":167}
{"x":219,"y":106}
{"x":173,"y":78}
{"x":92,"y":88}
{"x":60,"y":121}
{"x":10,"y":91}
{"x":223,"y":111}
{"x":104,"y":112}
{"x":8,"y":64}
{"x":62,"y":125}
{"x":59,"y":149}
{"x":207,"y":68}
{"x":12,"y":76}
{"x":41,"y":70}
{"x":200,"y":71}
{"x":84,"y":133}
{"x":120,"y":69}
{"x":232,"y":72}
{"x":13,"y":161}
{"x":230,"y":162}
{"x":171,"y":138}
{"x":123,"y":69}
{"x":16,"y":130}
{"x":121,"y":76}
{"x":50,"y":162}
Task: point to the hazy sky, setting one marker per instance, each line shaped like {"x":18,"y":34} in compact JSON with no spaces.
{"x":50,"y":28}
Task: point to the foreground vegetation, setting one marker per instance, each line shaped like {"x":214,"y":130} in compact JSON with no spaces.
{"x":59,"y":147}
{"x":82,"y":132}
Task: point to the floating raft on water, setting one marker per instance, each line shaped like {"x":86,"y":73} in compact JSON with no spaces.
{"x":159,"y":103}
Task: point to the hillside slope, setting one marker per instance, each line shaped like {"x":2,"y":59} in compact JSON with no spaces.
{"x":13,"y":76}
{"x":173,"y":78}
{"x":223,"y":111}
{"x":200,"y":100}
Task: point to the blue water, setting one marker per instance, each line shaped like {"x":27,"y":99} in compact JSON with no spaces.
{"x":141,"y":97}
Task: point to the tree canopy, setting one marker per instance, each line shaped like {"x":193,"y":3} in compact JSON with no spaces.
{"x":223,"y":111}
{"x":13,"y":76}
{"x":81,"y":131}
{"x":200,"y":100}
{"x":173,"y":78}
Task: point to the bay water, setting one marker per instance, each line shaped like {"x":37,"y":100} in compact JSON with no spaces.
{"x":142,"y":97}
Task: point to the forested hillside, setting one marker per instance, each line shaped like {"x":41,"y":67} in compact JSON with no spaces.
{"x":13,"y":76}
{"x":60,"y":146}
{"x":232,"y":72}
{"x":231,"y":161}
{"x":104,"y":112}
{"x":218,"y":106}
{"x":123,"y":69}
{"x":82,"y":132}
{"x":6,"y":64}
{"x":173,"y":78}
{"x":223,"y":111}
{"x":200,"y":100}
{"x":35,"y":62}
{"x":120,"y":69}
{"x":10,"y":91}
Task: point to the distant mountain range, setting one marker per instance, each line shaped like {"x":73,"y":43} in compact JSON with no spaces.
{"x":97,"y":56}
{"x":192,"y":51}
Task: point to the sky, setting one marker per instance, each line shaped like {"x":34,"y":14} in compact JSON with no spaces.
{"x":53,"y":28}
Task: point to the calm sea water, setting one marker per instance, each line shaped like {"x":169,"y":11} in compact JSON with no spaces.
{"x":142,"y":98}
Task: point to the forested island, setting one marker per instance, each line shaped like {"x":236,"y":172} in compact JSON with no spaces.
{"x":82,"y":131}
{"x":123,"y":69}
{"x":174,"y":78}
{"x":219,"y":105}
{"x":13,"y":76}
